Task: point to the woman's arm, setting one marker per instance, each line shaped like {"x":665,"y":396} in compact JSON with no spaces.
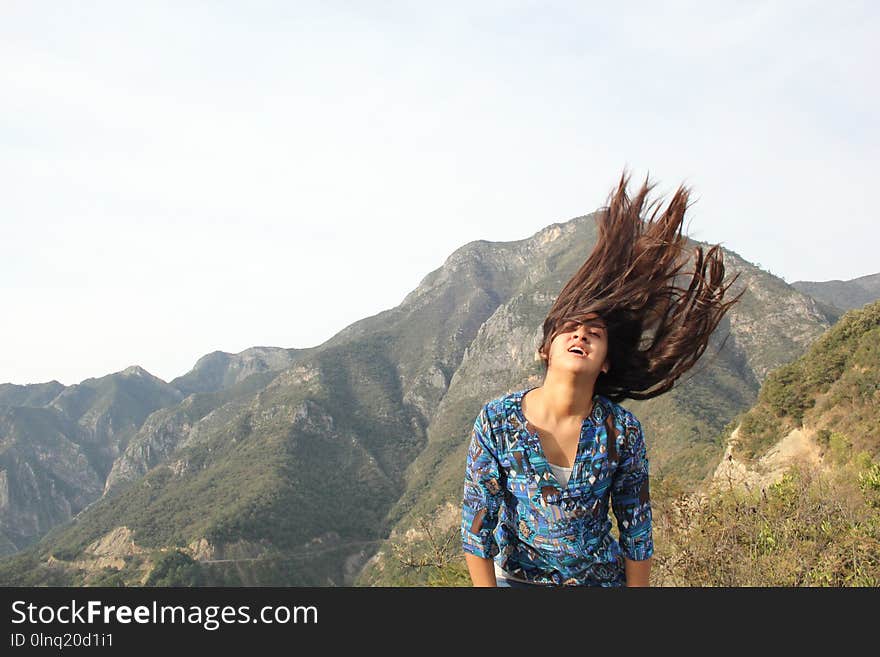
{"x":482,"y":570}
{"x":631,"y":503}
{"x":481,"y":502}
{"x":638,"y":573}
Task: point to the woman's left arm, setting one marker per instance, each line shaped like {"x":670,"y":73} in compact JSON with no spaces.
{"x":631,"y":503}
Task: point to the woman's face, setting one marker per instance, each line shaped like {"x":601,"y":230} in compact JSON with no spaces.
{"x":591,"y":337}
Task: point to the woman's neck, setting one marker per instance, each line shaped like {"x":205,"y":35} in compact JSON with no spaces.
{"x":559,"y":401}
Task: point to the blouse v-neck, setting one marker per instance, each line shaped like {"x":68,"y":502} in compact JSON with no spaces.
{"x":536,"y":439}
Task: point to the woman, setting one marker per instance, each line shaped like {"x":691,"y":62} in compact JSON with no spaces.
{"x":544,"y":462}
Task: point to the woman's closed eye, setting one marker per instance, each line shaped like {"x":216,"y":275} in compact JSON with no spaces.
{"x":571,"y":327}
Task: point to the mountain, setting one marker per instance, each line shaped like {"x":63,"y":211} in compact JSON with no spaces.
{"x":33,"y":394}
{"x":844,"y":295}
{"x":304,"y":474}
{"x":58,"y":444}
{"x":219,"y":370}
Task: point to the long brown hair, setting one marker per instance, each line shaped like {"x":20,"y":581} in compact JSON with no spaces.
{"x":657,"y":330}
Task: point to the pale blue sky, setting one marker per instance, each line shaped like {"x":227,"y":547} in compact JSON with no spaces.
{"x":182,"y":177}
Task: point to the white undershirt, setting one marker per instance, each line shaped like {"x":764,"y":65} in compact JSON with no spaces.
{"x":562,"y":475}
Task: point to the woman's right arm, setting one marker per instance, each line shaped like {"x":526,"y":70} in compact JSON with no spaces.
{"x":481,"y":502}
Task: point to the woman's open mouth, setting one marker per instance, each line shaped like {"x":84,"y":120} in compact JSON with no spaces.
{"x":577,"y":351}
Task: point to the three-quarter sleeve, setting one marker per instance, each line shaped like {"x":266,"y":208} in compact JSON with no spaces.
{"x":630,"y":496}
{"x":483,"y":494}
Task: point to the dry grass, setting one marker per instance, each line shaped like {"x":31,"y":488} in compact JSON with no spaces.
{"x":809,"y":529}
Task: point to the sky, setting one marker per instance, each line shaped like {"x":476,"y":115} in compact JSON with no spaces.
{"x":184,"y":177}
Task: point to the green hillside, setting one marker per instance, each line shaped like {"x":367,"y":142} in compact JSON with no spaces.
{"x":834,"y":387}
{"x":817,"y":525}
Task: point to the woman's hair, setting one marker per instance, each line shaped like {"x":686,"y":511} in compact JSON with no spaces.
{"x":657,"y":329}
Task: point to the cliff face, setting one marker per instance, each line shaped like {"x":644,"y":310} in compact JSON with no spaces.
{"x":55,"y":455}
{"x":45,"y":474}
{"x":798,"y":446}
{"x":773,"y":322}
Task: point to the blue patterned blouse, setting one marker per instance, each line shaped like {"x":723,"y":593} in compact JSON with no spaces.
{"x":515,"y":511}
